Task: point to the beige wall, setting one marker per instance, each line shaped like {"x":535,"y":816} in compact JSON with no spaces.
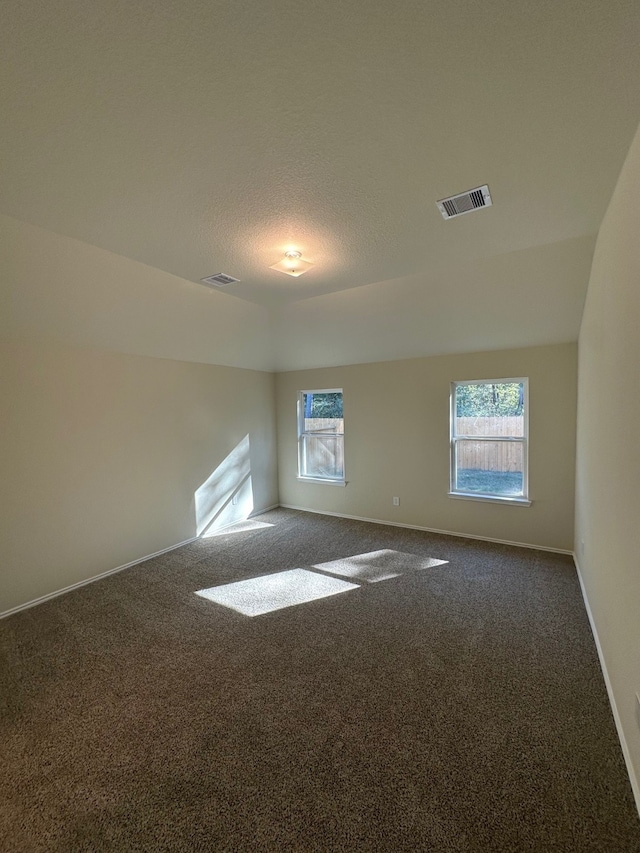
{"x":397,"y":443}
{"x":102,"y":455}
{"x":608,"y":453}
{"x":536,"y":297}
{"x":58,"y":289}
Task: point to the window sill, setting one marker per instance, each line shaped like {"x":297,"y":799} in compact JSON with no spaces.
{"x":494,"y":499}
{"x":321,"y":481}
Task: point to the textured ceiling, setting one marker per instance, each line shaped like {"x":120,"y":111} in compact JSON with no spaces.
{"x":202,"y":136}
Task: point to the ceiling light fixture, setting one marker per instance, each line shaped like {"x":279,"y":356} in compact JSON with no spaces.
{"x":292,"y":264}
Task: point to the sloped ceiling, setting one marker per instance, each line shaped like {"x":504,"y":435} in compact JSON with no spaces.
{"x":201,"y":137}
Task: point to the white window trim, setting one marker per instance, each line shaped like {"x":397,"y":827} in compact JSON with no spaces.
{"x":523,"y":500}
{"x":490,"y":499}
{"x":320,"y":481}
{"x":328,"y":481}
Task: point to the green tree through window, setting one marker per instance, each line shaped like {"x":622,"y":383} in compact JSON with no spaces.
{"x":489,"y":400}
{"x":323,"y":405}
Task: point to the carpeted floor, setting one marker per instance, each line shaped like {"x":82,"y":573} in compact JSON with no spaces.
{"x":446,"y":707}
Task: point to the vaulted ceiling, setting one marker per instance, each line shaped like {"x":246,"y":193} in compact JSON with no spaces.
{"x":202,"y":136}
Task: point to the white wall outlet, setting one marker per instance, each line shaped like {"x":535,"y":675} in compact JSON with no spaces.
{"x":396,"y":501}
{"x":234,"y":500}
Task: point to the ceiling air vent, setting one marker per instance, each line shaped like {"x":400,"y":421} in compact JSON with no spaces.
{"x":220,"y":279}
{"x":467,"y":202}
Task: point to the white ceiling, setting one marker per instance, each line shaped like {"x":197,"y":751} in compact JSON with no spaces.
{"x":203,"y":136}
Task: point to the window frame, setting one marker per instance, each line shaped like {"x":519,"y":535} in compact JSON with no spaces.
{"x":327,"y":481}
{"x":519,"y":500}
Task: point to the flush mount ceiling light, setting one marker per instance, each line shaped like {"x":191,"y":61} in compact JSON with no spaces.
{"x":292,"y":264}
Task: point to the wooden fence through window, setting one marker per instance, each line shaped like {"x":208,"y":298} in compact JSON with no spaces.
{"x":499,"y":456}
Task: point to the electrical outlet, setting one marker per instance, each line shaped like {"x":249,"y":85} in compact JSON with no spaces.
{"x":396,"y":501}
{"x":234,"y":500}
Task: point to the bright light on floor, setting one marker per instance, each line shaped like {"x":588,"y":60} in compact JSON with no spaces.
{"x":378,"y":565}
{"x":274,"y":592}
{"x":240,"y":527}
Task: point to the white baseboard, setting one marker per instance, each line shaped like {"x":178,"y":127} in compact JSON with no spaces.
{"x":106,"y":574}
{"x":266,"y":509}
{"x":633,"y":779}
{"x":430,"y":529}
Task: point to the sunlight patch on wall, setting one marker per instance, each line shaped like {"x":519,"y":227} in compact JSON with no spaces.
{"x":226,"y":495}
{"x":265,"y":594}
{"x":378,"y":565}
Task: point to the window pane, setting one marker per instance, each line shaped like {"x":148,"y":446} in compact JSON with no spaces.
{"x":490,"y":467}
{"x":490,"y":408}
{"x":325,"y":406}
{"x":323,"y":412}
{"x":322,"y":456}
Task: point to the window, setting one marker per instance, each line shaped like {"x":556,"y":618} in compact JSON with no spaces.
{"x":489,"y":440}
{"x":321,"y":436}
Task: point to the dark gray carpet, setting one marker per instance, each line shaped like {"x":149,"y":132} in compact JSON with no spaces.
{"x":457,"y":707}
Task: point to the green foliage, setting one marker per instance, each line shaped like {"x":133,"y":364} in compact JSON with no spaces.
{"x":489,"y":400}
{"x":323,"y":405}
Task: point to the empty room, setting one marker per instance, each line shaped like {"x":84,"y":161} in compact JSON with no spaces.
{"x":320,"y":377}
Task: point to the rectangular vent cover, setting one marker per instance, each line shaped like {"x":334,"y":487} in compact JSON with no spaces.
{"x":457,"y":205}
{"x":220,"y":279}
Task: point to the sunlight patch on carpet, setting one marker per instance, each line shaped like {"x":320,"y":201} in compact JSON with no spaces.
{"x":265,"y":594}
{"x":378,"y":565}
{"x":240,"y":527}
